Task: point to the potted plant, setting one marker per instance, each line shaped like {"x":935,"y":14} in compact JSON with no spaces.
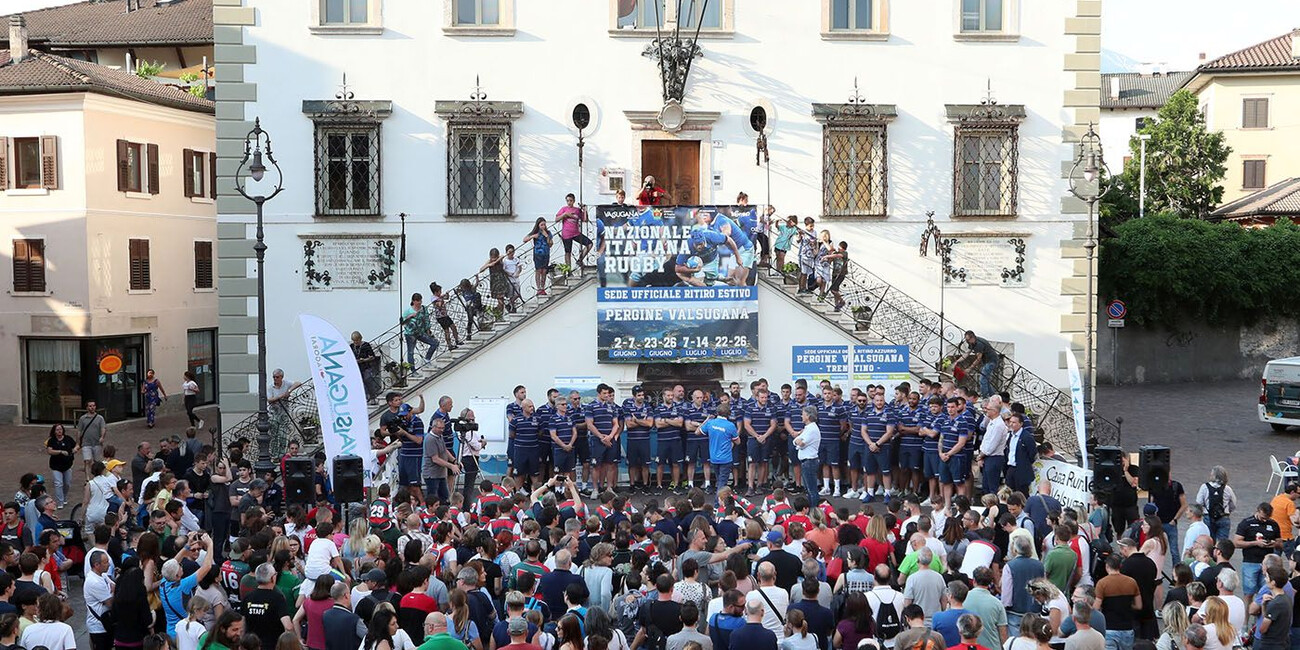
{"x":495,"y":313}
{"x":486,"y":320}
{"x":790,"y":274}
{"x":397,"y":372}
{"x":560,"y":274}
{"x":861,"y":318}
{"x":309,"y":426}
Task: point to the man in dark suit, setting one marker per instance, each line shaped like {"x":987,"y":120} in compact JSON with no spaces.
{"x":340,"y":624}
{"x":1021,"y":452}
{"x":553,"y":584}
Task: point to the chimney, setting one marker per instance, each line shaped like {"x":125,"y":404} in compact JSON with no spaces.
{"x":1201,"y":58}
{"x":18,"y":38}
{"x":1295,"y":43}
{"x":1114,"y":88}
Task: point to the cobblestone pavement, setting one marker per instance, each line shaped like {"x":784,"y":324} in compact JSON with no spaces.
{"x":1204,"y":425}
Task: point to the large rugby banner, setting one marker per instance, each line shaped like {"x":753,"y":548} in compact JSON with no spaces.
{"x":675,"y":284}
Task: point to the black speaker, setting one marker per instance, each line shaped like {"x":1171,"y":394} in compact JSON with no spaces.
{"x":349,"y":479}
{"x":1154,"y":468}
{"x":1108,"y":470}
{"x":298,"y":484}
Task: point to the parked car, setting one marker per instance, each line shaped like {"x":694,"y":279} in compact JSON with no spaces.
{"x":1279,"y":394}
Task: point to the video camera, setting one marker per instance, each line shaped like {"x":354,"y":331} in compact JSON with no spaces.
{"x":463,"y":427}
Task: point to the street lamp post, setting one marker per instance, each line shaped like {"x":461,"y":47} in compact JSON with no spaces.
{"x":257,"y":148}
{"x":1090,"y":187}
{"x":1142,"y":176}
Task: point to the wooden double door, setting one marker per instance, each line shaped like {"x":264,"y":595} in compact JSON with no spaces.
{"x":675,"y":164}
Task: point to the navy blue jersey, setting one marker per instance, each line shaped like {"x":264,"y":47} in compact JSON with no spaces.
{"x":602,"y":415}
{"x":630,"y":410}
{"x":794,"y":415}
{"x":578,"y":416}
{"x":908,"y":417}
{"x":857,"y":419}
{"x":926,"y":420}
{"x":829,"y":417}
{"x":951,"y":430}
{"x":878,"y":422}
{"x":413,"y":449}
{"x":562,"y":425}
{"x":668,"y":412}
{"x":448,"y":432}
{"x":513,"y":410}
{"x":760,"y":417}
{"x":696,"y":414}
{"x":544,"y":412}
{"x":526,"y":430}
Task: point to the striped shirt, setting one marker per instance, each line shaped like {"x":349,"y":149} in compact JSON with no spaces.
{"x":926,"y":420}
{"x":761,"y":417}
{"x":907,"y":417}
{"x":878,"y":422}
{"x":668,"y":412}
{"x":857,"y":420}
{"x":632,"y":410}
{"x":562,"y":426}
{"x":829,"y":417}
{"x":602,"y":416}
{"x":526,"y":430}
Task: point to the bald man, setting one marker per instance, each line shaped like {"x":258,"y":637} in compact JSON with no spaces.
{"x":436,"y":636}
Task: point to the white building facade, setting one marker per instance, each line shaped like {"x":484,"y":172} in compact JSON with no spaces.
{"x":993,"y":174}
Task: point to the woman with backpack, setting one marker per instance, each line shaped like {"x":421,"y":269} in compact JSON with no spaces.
{"x":1219,"y":501}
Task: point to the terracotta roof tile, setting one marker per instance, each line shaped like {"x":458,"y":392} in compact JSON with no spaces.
{"x":47,"y":73}
{"x":1277,"y":200}
{"x":104,"y":23}
{"x":1273,"y":54}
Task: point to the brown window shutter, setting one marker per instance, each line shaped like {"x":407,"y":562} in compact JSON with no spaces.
{"x":202,"y":265}
{"x":123,"y":172}
{"x":212,"y":175}
{"x":50,"y":162}
{"x":36,"y":264}
{"x":139,"y":250}
{"x":188,"y":156}
{"x":1261,"y":113}
{"x":4,"y":163}
{"x":21,"y":276}
{"x":152,"y":150}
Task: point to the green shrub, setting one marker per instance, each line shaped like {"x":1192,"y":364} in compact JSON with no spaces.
{"x":1168,"y":269}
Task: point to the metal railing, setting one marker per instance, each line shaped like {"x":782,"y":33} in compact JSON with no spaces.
{"x":294,"y":418}
{"x":897,"y":318}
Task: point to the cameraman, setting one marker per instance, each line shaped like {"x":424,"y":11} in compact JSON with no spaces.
{"x":471,"y":444}
{"x":651,"y":193}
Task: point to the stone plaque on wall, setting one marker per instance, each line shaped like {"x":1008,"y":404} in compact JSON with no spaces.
{"x":987,"y":259}
{"x":367,"y":261}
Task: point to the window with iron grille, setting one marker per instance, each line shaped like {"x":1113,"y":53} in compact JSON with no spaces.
{"x":202,"y":265}
{"x":985,"y":169}
{"x":854,"y":170}
{"x":479,"y":169}
{"x":29,"y":265}
{"x":139,"y":265}
{"x":347,"y":169}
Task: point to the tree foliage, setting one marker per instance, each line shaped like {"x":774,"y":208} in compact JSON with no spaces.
{"x":148,"y":69}
{"x":1186,"y":165}
{"x":1169,"y":269}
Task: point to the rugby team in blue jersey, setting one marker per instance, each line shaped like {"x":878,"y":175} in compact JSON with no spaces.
{"x":872,"y":444}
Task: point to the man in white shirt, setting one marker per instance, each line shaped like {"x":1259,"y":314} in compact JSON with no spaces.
{"x":98,"y":592}
{"x":807,"y":445}
{"x":776,"y":599}
{"x":1229,"y":582}
{"x":993,"y":447}
{"x":883,"y":593}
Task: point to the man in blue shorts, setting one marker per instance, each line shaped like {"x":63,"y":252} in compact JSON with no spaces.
{"x":399,"y":421}
{"x":879,"y":427}
{"x":513,"y":410}
{"x":604,"y":423}
{"x":564,"y":438}
{"x":760,"y":421}
{"x":637,"y":422}
{"x":668,"y":421}
{"x":581,"y":450}
{"x":722,"y":436}
{"x":833,"y":422}
{"x":857,"y":445}
{"x":524,"y":429}
{"x":954,"y":432}
{"x":697,"y":441}
{"x":930,"y":446}
{"x":910,"y":454}
{"x":794,"y":425}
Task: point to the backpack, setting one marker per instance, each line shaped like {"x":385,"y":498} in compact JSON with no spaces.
{"x":1214,"y":501}
{"x":888,"y":624}
{"x":655,"y":639}
{"x":1100,"y":549}
{"x":625,"y":614}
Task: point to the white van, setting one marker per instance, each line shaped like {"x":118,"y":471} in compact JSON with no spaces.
{"x":1279,"y":394}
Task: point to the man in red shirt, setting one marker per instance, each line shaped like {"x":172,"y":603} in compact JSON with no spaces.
{"x":651,"y":193}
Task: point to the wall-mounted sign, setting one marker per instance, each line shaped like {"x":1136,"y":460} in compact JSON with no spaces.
{"x":349,"y":262}
{"x":988,"y":259}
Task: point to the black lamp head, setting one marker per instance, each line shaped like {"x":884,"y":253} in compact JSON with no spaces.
{"x":758,"y":119}
{"x":581,"y":116}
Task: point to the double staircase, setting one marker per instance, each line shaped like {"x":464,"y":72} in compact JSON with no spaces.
{"x":875,"y":312}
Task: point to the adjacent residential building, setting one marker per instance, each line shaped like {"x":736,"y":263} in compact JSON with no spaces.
{"x":458,"y":116}
{"x":1250,"y":95}
{"x":1127,"y":100}
{"x":1280,"y":200}
{"x":108,"y":215}
{"x":174,"y":33}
